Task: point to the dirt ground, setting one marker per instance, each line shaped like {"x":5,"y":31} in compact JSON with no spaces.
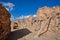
{"x":17,"y":34}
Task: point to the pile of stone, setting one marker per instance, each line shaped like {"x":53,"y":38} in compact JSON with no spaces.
{"x":5,"y":28}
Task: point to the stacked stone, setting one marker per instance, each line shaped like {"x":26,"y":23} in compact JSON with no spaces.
{"x":52,"y":31}
{"x":5,"y":28}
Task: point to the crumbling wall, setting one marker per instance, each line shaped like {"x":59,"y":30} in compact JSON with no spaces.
{"x":51,"y":23}
{"x":5,"y":28}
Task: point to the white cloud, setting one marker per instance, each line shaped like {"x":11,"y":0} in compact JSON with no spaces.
{"x":7,"y":9}
{"x":8,"y":4}
{"x":26,"y":16}
{"x":12,"y":18}
{"x":34,"y":15}
{"x":22,"y":17}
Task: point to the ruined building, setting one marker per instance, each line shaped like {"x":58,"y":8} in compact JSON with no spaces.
{"x":47,"y":24}
{"x":50,"y":24}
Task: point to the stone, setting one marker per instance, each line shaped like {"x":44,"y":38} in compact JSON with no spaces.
{"x":48,"y":21}
{"x":52,"y":31}
{"x":46,"y":26}
{"x":5,"y":28}
{"x":31,"y":20}
{"x":43,"y":13}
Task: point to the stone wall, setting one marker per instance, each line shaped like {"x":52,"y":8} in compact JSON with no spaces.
{"x":5,"y":28}
{"x":47,"y":24}
{"x":42,"y":15}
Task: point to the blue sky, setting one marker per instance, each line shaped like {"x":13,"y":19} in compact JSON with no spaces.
{"x":27,"y":7}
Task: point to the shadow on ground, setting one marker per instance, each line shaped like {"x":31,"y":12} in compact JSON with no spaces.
{"x":18,"y":34}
